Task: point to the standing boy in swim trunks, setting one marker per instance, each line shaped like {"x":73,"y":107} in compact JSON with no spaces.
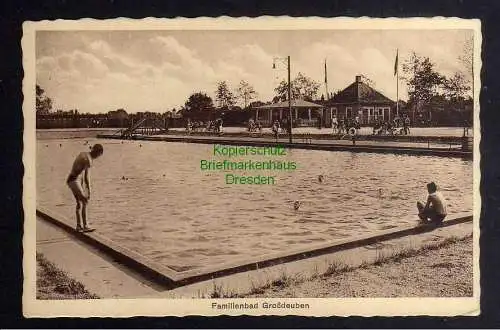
{"x":434,"y":210}
{"x":335,"y":125}
{"x":80,"y":170}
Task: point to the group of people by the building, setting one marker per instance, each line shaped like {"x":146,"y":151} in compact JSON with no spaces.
{"x":398,"y":126}
{"x":350,"y":126}
{"x":340,"y":126}
{"x":278,"y":127}
{"x":213,"y":126}
{"x":254,"y":126}
{"x":345,"y":125}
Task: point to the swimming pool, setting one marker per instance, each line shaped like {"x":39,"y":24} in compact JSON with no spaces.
{"x":153,"y":198}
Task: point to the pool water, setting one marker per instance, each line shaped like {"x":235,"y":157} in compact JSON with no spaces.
{"x":152,"y":197}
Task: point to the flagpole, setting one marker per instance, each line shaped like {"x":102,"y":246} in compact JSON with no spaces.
{"x":397,"y":94}
{"x":327,"y":96}
{"x":289,"y":103}
{"x":326,"y":83}
{"x":397,"y":83}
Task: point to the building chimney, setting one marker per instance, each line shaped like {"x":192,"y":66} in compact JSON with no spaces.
{"x":358,"y":78}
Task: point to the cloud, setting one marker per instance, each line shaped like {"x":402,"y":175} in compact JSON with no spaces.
{"x":249,"y":62}
{"x":76,"y":62}
{"x":250,"y":57}
{"x":100,"y":47}
{"x":98,"y":72}
{"x":64,"y":62}
{"x":88,"y":63}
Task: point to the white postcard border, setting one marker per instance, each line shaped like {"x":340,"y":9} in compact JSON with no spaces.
{"x":183,"y":307}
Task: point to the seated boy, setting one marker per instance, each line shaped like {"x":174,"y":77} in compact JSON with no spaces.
{"x":434,"y":210}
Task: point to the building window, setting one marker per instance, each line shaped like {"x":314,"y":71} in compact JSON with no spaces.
{"x":367,"y":115}
{"x":348,"y":112}
{"x":386,"y":113}
{"x":378,"y":114}
{"x":334,"y":112}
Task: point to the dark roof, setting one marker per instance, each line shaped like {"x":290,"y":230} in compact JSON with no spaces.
{"x":359,"y":92}
{"x":295,"y":104}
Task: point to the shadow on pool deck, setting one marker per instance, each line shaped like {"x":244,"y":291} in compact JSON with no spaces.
{"x":168,"y":278}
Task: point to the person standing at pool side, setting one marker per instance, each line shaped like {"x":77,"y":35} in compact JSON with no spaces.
{"x":276,"y":129}
{"x":335,"y":124}
{"x":80,"y":172}
{"x":357,"y":122}
{"x":219,"y":126}
{"x":434,"y":210}
{"x":406,"y":125}
{"x":341,"y":126}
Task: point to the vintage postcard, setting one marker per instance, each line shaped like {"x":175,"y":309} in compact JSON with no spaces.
{"x":266,"y":166}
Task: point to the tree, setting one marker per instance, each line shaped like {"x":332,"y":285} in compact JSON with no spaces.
{"x":198,"y":105}
{"x":223,"y":95}
{"x":423,"y":81}
{"x":43,"y":103}
{"x":456,"y":87}
{"x":466,"y":58}
{"x":302,"y":87}
{"x":245,"y":92}
{"x":367,"y":81}
{"x":307,"y":88}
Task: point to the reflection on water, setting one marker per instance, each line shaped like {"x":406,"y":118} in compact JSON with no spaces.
{"x":152,"y":198}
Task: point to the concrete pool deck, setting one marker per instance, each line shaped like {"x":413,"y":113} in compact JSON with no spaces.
{"x":388,"y":147}
{"x":98,"y":272}
{"x":244,"y":283}
{"x":110,"y":270}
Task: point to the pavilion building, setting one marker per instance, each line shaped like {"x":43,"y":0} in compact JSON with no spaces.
{"x":304,"y":113}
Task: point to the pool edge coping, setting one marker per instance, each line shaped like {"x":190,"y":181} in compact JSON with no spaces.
{"x":171,"y":279}
{"x":440,"y":152}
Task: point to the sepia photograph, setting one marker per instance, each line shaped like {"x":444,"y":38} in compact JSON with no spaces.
{"x":267,"y":166}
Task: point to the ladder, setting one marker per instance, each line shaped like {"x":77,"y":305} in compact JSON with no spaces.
{"x":129,"y":131}
{"x":145,"y":126}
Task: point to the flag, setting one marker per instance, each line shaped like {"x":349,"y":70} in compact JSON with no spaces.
{"x":326,"y":79}
{"x":396,"y":63}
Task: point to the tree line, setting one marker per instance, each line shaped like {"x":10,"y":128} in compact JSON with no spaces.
{"x":201,"y":106}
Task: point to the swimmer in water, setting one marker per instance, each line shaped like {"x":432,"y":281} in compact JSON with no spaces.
{"x":80,"y":172}
{"x":296,"y":205}
{"x":320,"y":178}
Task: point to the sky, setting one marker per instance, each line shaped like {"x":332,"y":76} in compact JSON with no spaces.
{"x":100,"y":71}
